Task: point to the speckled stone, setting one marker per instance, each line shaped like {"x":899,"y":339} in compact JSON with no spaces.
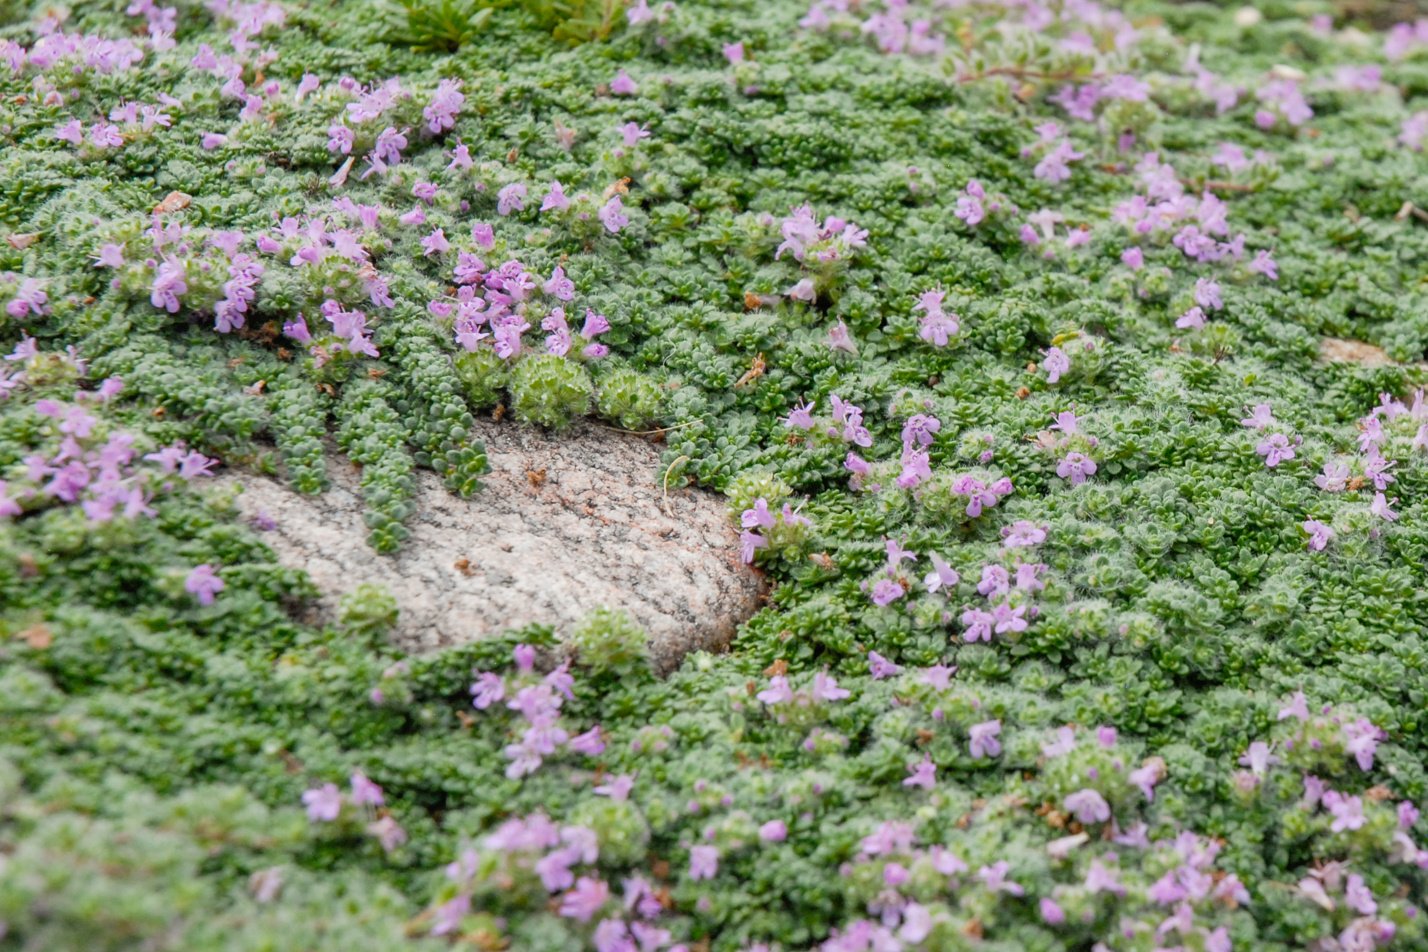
{"x":564,"y":523}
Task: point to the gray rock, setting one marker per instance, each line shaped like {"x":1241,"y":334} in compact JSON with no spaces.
{"x":563,"y":524}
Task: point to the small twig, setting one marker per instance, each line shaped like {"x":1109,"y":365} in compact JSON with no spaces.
{"x":1410,"y":209}
{"x":1018,"y":72}
{"x":663,"y":429}
{"x":682,"y":459}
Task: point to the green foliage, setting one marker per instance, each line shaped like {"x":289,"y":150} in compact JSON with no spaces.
{"x":631,"y":399}
{"x":440,"y":25}
{"x":368,"y":610}
{"x":154,"y":751}
{"x":549,"y":390}
{"x":609,"y":642}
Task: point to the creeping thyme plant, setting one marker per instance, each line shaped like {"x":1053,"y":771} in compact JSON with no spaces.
{"x":1097,"y":616}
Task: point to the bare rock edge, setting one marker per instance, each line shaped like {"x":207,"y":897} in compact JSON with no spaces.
{"x":563,"y":524}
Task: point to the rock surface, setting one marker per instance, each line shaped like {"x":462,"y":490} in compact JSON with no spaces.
{"x":563,"y":524}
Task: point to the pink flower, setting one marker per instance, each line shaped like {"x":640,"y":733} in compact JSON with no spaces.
{"x":982,"y":739}
{"x":1076,"y":467}
{"x":778,"y":691}
{"x":1088,"y":806}
{"x":323,"y":803}
{"x":1055,"y":364}
{"x":1320,"y":535}
{"x":1361,"y":739}
{"x":168,"y":286}
{"x":623,"y":85}
{"x":203,"y":584}
{"x":774,"y":831}
{"x":365,"y":791}
{"x":511,"y":198}
{"x":1023,"y":533}
{"x":942,"y":575}
{"x":585,"y":900}
{"x":1380,"y":507}
{"x":633,"y":132}
{"x":611,"y":215}
{"x":887,"y":591}
{"x":1275,"y":449}
{"x":827,"y":689}
{"x":435,"y":243}
{"x":922,"y":775}
{"x":703,"y":862}
{"x":734,"y":52}
{"x":555,"y":199}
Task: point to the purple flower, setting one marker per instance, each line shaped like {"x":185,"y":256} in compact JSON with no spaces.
{"x":1133,"y":258}
{"x":778,"y":691}
{"x":977,"y":625}
{"x":937,"y":325}
{"x":1298,"y":708}
{"x":1101,"y":879}
{"x":1264,"y":264}
{"x":1276,"y":449}
{"x":30,"y":298}
{"x":1146,"y":777}
{"x":1380,"y":507}
{"x":838,"y":339}
{"x":1193,"y":319}
{"x":922,"y":775}
{"x":1051,"y":913}
{"x":969,"y":204}
{"x":800,"y":417}
{"x":590,"y":744}
{"x":585,"y":900}
{"x":734,"y":52}
{"x":1076,"y":467}
{"x":1361,"y":739}
{"x":1207,"y":294}
{"x":633,"y":132}
{"x":365,"y":791}
{"x":511,"y":198}
{"x":774,"y":831}
{"x":617,"y":787}
{"x":703,"y":862}
{"x":983,"y":739}
{"x":1348,"y":812}
{"x":203,"y":584}
{"x":446,"y":102}
{"x":1258,"y":758}
{"x":1055,"y":364}
{"x":623,"y":85}
{"x":1320,"y":535}
{"x":555,"y":199}
{"x":942,"y":575}
{"x":387,"y":832}
{"x":169,"y":285}
{"x":435,"y":243}
{"x":803,"y":290}
{"x":749,"y":545}
{"x":611,"y":216}
{"x":880,"y":667}
{"x":1023,"y":533}
{"x":1261,"y":417}
{"x":886,"y":591}
{"x":827,"y":689}
{"x":994,"y":878}
{"x":323,"y":803}
{"x":1088,"y":806}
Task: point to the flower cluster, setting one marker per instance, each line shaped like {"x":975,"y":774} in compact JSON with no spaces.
{"x":327,"y":804}
{"x":538,"y":701}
